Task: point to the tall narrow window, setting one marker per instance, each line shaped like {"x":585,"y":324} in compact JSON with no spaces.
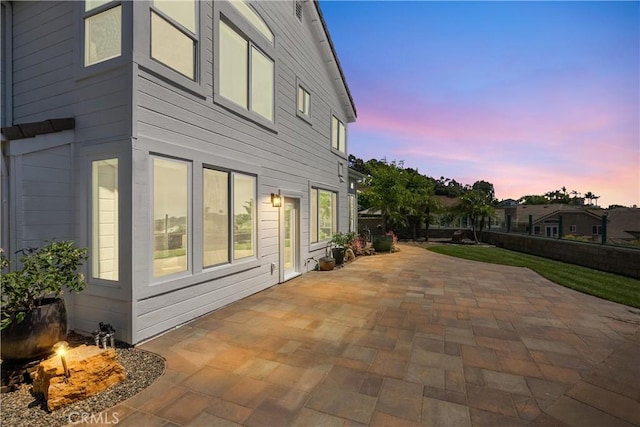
{"x":323,"y":215}
{"x":104,"y":212}
{"x":261,"y":84}
{"x":304,"y":101}
{"x":244,"y":216}
{"x":338,"y":135}
{"x":215,"y":217}
{"x":174,"y":35}
{"x":170,"y":216}
{"x":102,"y":31}
{"x":352,"y":213}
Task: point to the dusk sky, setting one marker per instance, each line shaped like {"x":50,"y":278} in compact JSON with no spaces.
{"x":530,"y":96}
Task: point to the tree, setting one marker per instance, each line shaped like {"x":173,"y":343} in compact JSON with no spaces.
{"x":589,"y":196}
{"x":476,"y":206}
{"x":403,"y":196}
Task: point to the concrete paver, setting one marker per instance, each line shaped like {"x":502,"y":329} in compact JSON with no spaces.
{"x":411,"y":338}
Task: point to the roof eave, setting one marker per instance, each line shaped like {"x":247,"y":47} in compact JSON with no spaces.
{"x":347,"y":99}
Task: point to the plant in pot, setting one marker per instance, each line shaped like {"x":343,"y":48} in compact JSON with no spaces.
{"x":340,"y":243}
{"x":33,"y":315}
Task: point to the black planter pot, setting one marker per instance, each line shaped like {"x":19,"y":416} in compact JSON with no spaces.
{"x":338,"y":254}
{"x":35,"y":336}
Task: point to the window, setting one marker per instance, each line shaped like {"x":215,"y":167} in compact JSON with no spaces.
{"x":174,"y":35}
{"x":352,"y":213}
{"x":323,"y":215}
{"x":572,"y":228}
{"x":215,"y":217}
{"x":253,"y":18}
{"x":246,"y":73}
{"x":338,"y":135}
{"x":536,"y":229}
{"x":217,"y":187}
{"x":171,"y":228}
{"x":102,"y":31}
{"x":304,"y":101}
{"x":104,"y":213}
{"x":244,"y":216}
{"x":596,"y":230}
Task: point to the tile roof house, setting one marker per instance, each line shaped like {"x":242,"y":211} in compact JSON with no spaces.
{"x":197,"y":148}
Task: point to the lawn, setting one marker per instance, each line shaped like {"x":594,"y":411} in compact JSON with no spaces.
{"x":609,"y":286}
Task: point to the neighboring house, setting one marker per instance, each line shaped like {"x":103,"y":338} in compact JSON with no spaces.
{"x":197,"y":148}
{"x":623,"y":225}
{"x":576,"y":220}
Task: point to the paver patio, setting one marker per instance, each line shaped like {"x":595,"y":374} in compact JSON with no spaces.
{"x":411,"y":338}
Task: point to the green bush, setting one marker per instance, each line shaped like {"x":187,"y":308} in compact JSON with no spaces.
{"x":45,"y":273}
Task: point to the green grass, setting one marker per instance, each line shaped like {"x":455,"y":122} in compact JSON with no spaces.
{"x":609,"y":286}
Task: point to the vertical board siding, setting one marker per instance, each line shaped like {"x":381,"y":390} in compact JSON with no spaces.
{"x":45,"y":211}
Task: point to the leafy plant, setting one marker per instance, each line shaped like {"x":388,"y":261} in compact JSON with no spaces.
{"x":343,"y":240}
{"x":45,"y":273}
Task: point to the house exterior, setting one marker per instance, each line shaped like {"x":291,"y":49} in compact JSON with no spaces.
{"x":197,"y":148}
{"x":576,"y":220}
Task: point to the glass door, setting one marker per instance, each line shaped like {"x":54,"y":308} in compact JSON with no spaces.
{"x":291,"y":240}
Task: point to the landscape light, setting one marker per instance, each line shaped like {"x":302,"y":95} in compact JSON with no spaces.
{"x":61,"y":348}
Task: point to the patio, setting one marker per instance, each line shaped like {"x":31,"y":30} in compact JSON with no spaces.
{"x":411,"y":338}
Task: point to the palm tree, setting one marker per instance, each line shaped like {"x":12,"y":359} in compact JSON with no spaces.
{"x":589,"y":196}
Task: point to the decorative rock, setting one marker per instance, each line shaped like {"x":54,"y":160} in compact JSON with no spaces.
{"x":91,"y":370}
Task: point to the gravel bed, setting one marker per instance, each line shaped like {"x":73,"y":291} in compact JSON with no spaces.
{"x":22,"y":408}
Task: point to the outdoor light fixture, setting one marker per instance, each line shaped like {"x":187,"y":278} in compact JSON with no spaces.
{"x":61,"y":347}
{"x":276,"y":200}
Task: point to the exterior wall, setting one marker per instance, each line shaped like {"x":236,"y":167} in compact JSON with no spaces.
{"x":601,"y":257}
{"x":130,"y":108}
{"x":182,"y":119}
{"x":48,"y":174}
{"x":584,"y":223}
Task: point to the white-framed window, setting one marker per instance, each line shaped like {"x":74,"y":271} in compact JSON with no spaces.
{"x":229,"y":216}
{"x":171,"y":216}
{"x":245,"y":78}
{"x":338,"y":135}
{"x":596,"y":230}
{"x":174,"y":35}
{"x":102,"y":31}
{"x":323,"y":215}
{"x":304,"y":101}
{"x":352,"y":213}
{"x":105,"y":234}
{"x":246,"y":73}
{"x":573,"y":228}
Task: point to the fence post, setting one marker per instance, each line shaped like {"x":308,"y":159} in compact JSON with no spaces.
{"x":508,"y":223}
{"x":560,"y":230}
{"x":530,"y":225}
{"x":604,"y":229}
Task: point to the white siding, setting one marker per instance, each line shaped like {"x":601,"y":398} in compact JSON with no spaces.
{"x":296,"y":155}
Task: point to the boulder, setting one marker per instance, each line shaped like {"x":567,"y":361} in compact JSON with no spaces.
{"x":91,"y":370}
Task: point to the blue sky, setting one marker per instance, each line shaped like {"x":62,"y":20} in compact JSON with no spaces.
{"x":530,"y":96}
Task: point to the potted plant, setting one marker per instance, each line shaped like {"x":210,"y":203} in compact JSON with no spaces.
{"x":33,"y":312}
{"x":340,"y":243}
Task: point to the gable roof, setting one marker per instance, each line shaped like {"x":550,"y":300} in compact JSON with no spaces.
{"x":624,"y":223}
{"x":334,"y":64}
{"x":568,"y":212}
{"x":538,"y":211}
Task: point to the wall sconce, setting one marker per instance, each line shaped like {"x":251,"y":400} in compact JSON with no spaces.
{"x":61,"y":348}
{"x":276,"y":200}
